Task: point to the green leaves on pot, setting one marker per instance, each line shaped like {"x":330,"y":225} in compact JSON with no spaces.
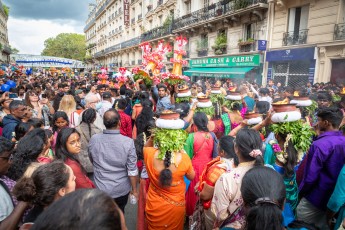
{"x":182,"y":99}
{"x":208,"y":111}
{"x":336,"y":98}
{"x":230,"y":103}
{"x":311,"y":108}
{"x":301,"y":132}
{"x":169,"y":140}
{"x":217,"y":98}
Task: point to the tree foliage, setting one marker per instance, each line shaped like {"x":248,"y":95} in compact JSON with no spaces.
{"x":66,"y":45}
{"x":6,"y":9}
{"x":14,"y":50}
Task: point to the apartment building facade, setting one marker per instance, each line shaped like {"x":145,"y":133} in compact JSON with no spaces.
{"x":5,"y":47}
{"x":289,"y":41}
{"x":120,"y":26}
{"x":307,"y":41}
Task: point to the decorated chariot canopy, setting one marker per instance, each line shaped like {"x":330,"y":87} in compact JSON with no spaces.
{"x":29,"y":60}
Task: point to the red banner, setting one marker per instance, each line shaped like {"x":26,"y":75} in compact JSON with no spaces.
{"x":126,"y":12}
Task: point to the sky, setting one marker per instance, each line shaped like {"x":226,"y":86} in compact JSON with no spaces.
{"x":31,"y":22}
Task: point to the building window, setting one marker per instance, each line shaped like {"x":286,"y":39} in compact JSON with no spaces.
{"x":206,"y":3}
{"x":249,"y":32}
{"x":297,"y":26}
{"x":160,"y":19}
{"x":188,"y":7}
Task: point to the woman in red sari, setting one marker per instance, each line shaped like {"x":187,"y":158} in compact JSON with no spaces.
{"x":199,"y":147}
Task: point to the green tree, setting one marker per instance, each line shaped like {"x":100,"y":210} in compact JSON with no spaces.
{"x":66,"y":45}
{"x":6,"y":9}
{"x":14,"y":50}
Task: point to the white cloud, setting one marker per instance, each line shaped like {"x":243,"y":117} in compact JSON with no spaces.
{"x":28,"y":36}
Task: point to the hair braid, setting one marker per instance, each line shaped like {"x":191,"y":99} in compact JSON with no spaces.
{"x":165,"y":176}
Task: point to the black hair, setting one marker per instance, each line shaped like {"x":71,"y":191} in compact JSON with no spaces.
{"x":56,"y":116}
{"x":182,"y":108}
{"x":139,"y":143}
{"x":263,"y":107}
{"x":49,"y":133}
{"x":122,"y":103}
{"x":142,"y":87}
{"x":226,"y":143}
{"x":291,"y":160}
{"x":246,"y":141}
{"x":289,"y":89}
{"x":200,"y":120}
{"x":162,"y":86}
{"x":332,"y":114}
{"x":324,"y":96}
{"x":15,"y":104}
{"x":111,"y":119}
{"x":263,"y":192}
{"x":165,"y":176}
{"x":36,"y":122}
{"x":104,"y":214}
{"x":88,"y":117}
{"x":46,"y":181}
{"x":5,"y":145}
{"x":123,"y":90}
{"x":143,"y":121}
{"x":28,"y":149}
{"x":61,"y":151}
{"x":21,"y":129}
{"x":264,"y":91}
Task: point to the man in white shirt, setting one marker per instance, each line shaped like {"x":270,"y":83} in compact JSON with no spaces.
{"x":106,"y":103}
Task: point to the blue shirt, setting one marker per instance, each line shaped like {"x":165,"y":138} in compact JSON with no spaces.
{"x":163,"y":103}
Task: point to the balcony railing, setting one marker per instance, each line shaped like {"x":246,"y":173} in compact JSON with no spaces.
{"x":295,"y":37}
{"x":224,"y":7}
{"x":102,"y":9}
{"x":131,"y":42}
{"x":113,"y":48}
{"x":156,"y":33}
{"x":247,"y":47}
{"x":140,"y":16}
{"x":202,"y":53}
{"x":339,"y":32}
{"x":160,"y":2}
{"x":133,"y":21}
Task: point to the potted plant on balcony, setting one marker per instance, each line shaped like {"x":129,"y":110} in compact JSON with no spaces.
{"x":202,"y":47}
{"x":242,"y":42}
{"x":220,"y":44}
{"x":240,"y":4}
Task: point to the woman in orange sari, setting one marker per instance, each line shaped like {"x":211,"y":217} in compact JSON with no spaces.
{"x":165,"y":204}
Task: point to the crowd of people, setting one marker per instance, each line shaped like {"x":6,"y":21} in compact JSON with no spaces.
{"x":195,"y":155}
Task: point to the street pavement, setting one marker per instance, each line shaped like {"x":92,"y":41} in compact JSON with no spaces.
{"x":131,"y":215}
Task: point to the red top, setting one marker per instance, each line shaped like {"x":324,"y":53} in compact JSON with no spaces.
{"x":126,"y":124}
{"x":81,"y":180}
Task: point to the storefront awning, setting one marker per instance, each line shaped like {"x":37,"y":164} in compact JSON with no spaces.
{"x":218,"y":72}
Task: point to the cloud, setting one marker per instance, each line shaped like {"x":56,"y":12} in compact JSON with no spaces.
{"x":28,"y":36}
{"x":31,"y":22}
{"x":48,"y":9}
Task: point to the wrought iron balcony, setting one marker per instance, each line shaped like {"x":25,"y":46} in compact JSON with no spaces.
{"x":6,"y":49}
{"x":202,"y":53}
{"x":101,"y":10}
{"x":156,"y":33}
{"x":160,"y":2}
{"x":295,"y":37}
{"x":247,"y":47}
{"x":113,"y":48}
{"x":131,"y":42}
{"x":224,"y":7}
{"x":140,"y":16}
{"x":133,"y":21}
{"x":339,"y":31}
{"x":91,"y":23}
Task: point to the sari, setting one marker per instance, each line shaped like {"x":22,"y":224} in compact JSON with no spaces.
{"x":165,"y":207}
{"x":199,"y":147}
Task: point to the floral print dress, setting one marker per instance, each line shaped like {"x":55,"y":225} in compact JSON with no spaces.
{"x":227,"y":198}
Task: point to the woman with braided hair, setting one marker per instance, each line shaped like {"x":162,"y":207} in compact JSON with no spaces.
{"x":87,"y":129}
{"x":166,"y":167}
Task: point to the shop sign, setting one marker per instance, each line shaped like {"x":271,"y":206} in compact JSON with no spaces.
{"x":126,"y":12}
{"x":291,"y":54}
{"x":262,"y":45}
{"x":228,"y":61}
